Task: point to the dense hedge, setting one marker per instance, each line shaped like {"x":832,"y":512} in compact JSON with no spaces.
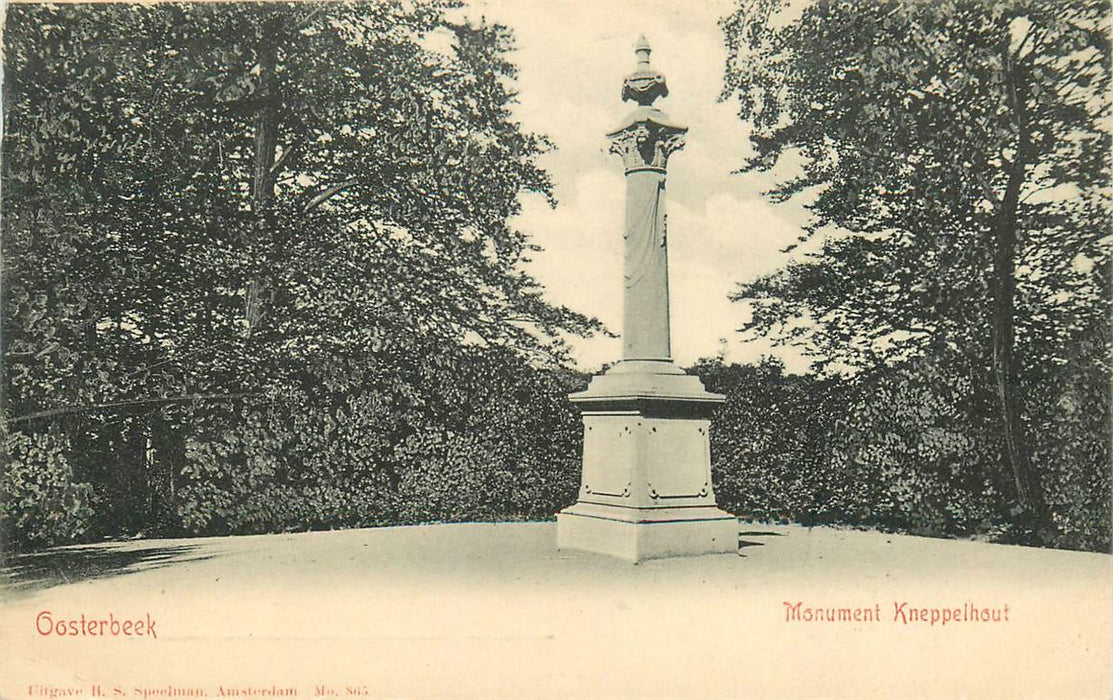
{"x":912,"y":448}
{"x":486,"y":436}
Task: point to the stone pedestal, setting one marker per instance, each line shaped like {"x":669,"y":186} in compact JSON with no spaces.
{"x":646,"y":489}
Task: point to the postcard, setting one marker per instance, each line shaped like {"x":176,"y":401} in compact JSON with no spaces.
{"x":555,"y":348}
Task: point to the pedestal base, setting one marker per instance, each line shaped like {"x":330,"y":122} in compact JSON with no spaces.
{"x":637,"y":534}
{"x":646,"y":487}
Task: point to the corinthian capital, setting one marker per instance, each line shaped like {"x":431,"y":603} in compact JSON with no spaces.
{"x":646,"y":144}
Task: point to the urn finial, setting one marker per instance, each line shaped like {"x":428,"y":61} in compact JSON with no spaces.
{"x":644,"y":85}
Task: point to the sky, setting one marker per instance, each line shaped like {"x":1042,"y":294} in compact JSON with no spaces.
{"x":572,"y":57}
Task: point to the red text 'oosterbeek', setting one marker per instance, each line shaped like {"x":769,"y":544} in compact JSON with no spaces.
{"x":47,"y":625}
{"x":903,"y":612}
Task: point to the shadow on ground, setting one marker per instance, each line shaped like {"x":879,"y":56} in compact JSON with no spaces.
{"x":29,"y":573}
{"x":743,"y":542}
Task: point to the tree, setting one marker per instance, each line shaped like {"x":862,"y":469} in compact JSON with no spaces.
{"x":209,"y":209}
{"x":955,"y":157}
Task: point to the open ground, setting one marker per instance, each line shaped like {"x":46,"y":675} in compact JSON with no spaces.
{"x":495,"y":610}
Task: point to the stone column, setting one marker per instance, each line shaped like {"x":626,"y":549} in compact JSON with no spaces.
{"x":645,"y":321}
{"x":645,"y":141}
{"x":646,"y":488}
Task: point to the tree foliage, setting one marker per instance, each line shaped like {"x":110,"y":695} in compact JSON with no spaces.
{"x":235,"y":230}
{"x":955,"y":158}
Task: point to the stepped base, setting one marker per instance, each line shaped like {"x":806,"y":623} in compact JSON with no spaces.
{"x":637,"y":534}
{"x":645,"y":491}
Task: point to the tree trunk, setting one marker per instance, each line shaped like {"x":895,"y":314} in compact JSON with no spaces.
{"x":1006,"y":374}
{"x":259,"y":292}
{"x":1005,"y":365}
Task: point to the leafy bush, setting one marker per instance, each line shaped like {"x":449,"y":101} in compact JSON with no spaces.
{"x":1070,"y":448}
{"x":39,"y":502}
{"x":480,"y":435}
{"x":506,"y":446}
{"x":769,"y":441}
{"x":910,"y":448}
{"x":913,"y":435}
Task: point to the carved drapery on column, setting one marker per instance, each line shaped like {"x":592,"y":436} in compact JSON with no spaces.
{"x":644,"y":142}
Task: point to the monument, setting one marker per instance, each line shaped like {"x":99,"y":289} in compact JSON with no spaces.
{"x":646,"y":486}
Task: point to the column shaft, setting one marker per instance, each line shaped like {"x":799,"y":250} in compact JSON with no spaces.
{"x":645,"y":323}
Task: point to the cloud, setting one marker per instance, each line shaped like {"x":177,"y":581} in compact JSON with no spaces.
{"x":581,"y":264}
